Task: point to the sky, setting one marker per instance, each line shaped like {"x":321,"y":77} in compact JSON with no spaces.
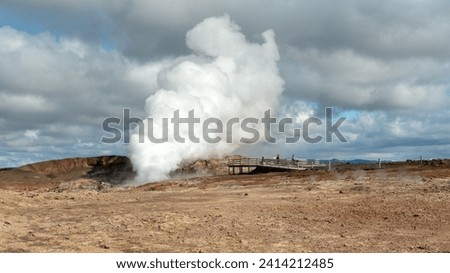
{"x":65,"y":66}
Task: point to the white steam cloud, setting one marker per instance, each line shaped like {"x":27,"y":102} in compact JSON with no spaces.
{"x":225,"y":76}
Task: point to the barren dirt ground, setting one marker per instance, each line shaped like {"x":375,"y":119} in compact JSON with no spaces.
{"x":396,"y":209}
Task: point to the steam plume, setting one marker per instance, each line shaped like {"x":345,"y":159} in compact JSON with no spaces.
{"x":225,"y":76}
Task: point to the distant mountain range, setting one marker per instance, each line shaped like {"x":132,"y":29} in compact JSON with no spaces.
{"x":352,"y":161}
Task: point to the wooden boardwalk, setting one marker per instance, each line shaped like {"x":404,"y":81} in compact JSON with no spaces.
{"x":247,"y":165}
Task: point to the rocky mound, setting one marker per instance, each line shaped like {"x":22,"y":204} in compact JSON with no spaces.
{"x":204,"y":167}
{"x":55,"y":167}
{"x":94,"y":172}
{"x":111,"y":169}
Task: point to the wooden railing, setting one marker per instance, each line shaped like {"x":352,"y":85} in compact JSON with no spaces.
{"x":276,"y":163}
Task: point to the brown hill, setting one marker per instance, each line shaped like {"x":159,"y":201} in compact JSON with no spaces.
{"x":89,"y":172}
{"x":92,"y":173}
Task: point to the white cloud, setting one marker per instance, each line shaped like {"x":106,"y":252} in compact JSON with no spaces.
{"x":388,"y":61}
{"x":32,"y":134}
{"x":53,"y":91}
{"x":347,"y":79}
